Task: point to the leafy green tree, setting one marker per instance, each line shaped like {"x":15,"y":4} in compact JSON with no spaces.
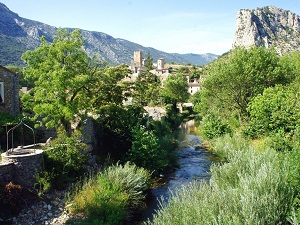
{"x":149,"y":62}
{"x":277,"y":110}
{"x":290,"y":65}
{"x":232,"y":81}
{"x":107,"y":86}
{"x":146,"y":89}
{"x":175,"y":89}
{"x":115,"y":125}
{"x":62,"y":72}
{"x":145,"y":150}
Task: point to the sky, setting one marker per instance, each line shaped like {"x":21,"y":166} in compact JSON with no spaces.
{"x":173,"y":26}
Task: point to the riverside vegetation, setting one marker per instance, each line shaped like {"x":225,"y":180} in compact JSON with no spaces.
{"x":249,"y":112}
{"x":128,"y":140}
{"x":249,"y":115}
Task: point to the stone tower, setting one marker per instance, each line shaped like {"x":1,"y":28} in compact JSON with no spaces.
{"x":137,"y":58}
{"x":160,"y":63}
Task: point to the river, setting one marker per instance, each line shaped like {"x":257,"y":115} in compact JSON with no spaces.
{"x":194,"y":164}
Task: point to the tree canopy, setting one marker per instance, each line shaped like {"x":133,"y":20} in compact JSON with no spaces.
{"x":175,"y":89}
{"x":62,"y":73}
{"x":231,"y":82}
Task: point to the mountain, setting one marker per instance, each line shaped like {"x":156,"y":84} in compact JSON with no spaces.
{"x":18,"y":34}
{"x":268,"y":26}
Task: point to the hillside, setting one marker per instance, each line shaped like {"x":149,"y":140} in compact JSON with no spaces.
{"x":268,"y":26}
{"x":18,"y":34}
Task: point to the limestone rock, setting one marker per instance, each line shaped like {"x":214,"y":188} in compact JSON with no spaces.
{"x":268,"y":26}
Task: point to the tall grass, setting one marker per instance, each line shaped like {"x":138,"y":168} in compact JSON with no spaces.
{"x":111,"y":196}
{"x":249,"y":188}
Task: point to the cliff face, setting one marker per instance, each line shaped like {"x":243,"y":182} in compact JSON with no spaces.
{"x":18,"y":34}
{"x":268,"y":26}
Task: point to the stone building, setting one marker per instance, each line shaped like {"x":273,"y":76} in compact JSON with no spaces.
{"x":9,"y":91}
{"x":137,"y":65}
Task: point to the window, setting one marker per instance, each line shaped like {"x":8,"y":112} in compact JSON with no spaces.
{"x":1,"y":92}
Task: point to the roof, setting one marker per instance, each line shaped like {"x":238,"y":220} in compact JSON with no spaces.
{"x":8,"y":70}
{"x":194,"y":84}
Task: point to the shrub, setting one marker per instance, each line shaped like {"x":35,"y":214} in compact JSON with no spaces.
{"x":146,"y":152}
{"x":214,"y":127}
{"x":66,"y":161}
{"x":112,"y":195}
{"x":251,"y":188}
{"x":13,"y":199}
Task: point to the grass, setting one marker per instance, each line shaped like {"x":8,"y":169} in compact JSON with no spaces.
{"x":110,"y":197}
{"x":249,"y":187}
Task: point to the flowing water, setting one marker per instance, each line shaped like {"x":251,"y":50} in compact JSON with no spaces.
{"x":194,"y":164}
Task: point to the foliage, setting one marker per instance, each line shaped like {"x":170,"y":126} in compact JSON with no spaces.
{"x":13,"y":198}
{"x":276,"y":110}
{"x":107,"y":87}
{"x":6,"y":118}
{"x":65,"y":161}
{"x":112,"y":196}
{"x":250,"y":188}
{"x":146,"y":152}
{"x":62,"y":73}
{"x":175,"y":89}
{"x":146,"y":89}
{"x":213,"y":126}
{"x":115,"y":124}
{"x":232,"y":81}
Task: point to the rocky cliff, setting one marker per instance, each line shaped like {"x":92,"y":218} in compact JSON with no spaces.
{"x":268,"y":26}
{"x":18,"y":34}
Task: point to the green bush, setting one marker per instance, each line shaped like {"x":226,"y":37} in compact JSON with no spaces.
{"x":214,"y":127}
{"x":250,"y":188}
{"x":65,"y":162}
{"x":146,"y":152}
{"x":111,"y":196}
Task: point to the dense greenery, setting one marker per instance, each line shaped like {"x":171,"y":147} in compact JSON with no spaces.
{"x":112,"y":196}
{"x":252,"y":93}
{"x":249,"y":188}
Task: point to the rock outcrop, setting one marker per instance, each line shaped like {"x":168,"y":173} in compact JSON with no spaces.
{"x":268,"y":26}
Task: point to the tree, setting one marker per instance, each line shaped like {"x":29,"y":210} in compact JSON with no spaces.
{"x":146,"y":89}
{"x":62,"y":73}
{"x":232,"y":81}
{"x":108,"y":86}
{"x":175,"y":89}
{"x":276,"y":110}
{"x":149,"y":62}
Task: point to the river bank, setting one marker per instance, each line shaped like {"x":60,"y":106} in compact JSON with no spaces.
{"x":194,"y":164}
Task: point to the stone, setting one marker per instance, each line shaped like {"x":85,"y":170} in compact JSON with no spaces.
{"x":268,"y":26}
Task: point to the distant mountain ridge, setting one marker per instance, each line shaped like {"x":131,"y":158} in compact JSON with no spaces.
{"x":268,"y":26}
{"x":18,"y":34}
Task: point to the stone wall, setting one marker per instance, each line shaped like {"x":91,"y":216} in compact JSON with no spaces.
{"x":21,"y":169}
{"x":6,"y":172}
{"x":10,"y":81}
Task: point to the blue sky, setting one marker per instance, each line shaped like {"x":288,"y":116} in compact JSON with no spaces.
{"x":181,"y":26}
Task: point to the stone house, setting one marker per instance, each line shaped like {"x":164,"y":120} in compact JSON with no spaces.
{"x":9,"y":91}
{"x":194,"y":87}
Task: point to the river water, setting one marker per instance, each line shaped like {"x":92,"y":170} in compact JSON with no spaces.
{"x":194,"y":164}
